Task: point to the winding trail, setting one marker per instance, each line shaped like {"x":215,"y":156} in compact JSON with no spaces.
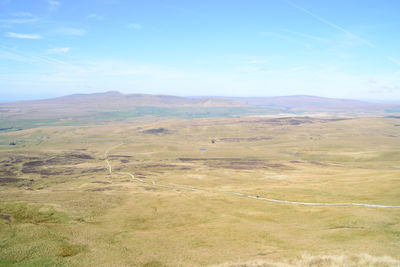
{"x":182,"y":187}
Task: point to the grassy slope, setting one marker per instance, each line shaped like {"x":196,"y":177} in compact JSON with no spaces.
{"x":79,"y":215}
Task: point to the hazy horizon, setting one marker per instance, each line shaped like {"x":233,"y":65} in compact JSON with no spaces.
{"x":43,"y":97}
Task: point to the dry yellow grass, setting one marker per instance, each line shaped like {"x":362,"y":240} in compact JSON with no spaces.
{"x":103,"y":220}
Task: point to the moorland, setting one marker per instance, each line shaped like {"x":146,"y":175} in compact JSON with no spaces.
{"x":115,"y":180}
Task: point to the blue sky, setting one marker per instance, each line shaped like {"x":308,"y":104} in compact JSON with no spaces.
{"x":346,"y":49}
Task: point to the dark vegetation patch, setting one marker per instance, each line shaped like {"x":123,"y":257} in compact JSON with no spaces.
{"x":124,"y":161}
{"x":206,"y":159}
{"x":64,"y":159}
{"x":389,"y":135}
{"x":154,"y":263}
{"x":100,"y":189}
{"x":100,"y":182}
{"x":185,"y":168}
{"x":293,"y":120}
{"x":48,"y":172}
{"x":120,"y":156}
{"x":249,"y":139}
{"x":5,"y":217}
{"x":156,"y":131}
{"x":91,"y":170}
{"x":49,"y":165}
{"x":237,"y":163}
{"x":317,"y":163}
{"x":157,"y":166}
{"x":11,"y":180}
{"x":34,"y":163}
{"x":68,"y":250}
{"x":71,"y":158}
{"x":151,"y":189}
{"x":5,"y":173}
{"x":295,"y":161}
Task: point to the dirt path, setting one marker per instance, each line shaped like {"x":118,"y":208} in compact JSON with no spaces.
{"x":109,"y":167}
{"x":183,"y":187}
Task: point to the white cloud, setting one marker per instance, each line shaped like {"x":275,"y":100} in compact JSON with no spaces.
{"x":23,"y":35}
{"x":20,"y":18}
{"x":256,"y":61}
{"x":94,"y":16}
{"x":70,"y":31}
{"x":289,"y":39}
{"x":22,"y":14}
{"x":135,"y":26}
{"x":59,"y":50}
{"x":53,"y":4}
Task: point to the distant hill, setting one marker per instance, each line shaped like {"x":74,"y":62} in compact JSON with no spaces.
{"x":116,"y":99}
{"x":313,"y":103}
{"x":84,"y":104}
{"x":136,"y":105}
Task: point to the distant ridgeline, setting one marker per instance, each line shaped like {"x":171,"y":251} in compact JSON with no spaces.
{"x":83,"y":109}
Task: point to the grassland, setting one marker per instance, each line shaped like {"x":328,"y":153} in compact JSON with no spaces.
{"x":61,"y":206}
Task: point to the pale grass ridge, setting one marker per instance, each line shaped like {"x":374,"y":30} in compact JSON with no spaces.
{"x":325,"y":261}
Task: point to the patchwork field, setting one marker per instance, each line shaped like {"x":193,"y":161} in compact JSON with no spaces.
{"x":194,"y":192}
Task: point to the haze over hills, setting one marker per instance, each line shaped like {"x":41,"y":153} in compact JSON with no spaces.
{"x":114,"y":100}
{"x":313,"y":103}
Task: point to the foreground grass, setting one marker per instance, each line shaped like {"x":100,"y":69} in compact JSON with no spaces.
{"x":59,"y":206}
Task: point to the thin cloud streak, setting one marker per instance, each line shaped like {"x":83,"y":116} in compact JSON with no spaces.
{"x":316,"y":38}
{"x":59,"y":50}
{"x":95,"y":16}
{"x":23,"y":35}
{"x":395,"y":61}
{"x":288,"y":39}
{"x":329,"y":23}
{"x":18,"y":56}
{"x":70,"y":31}
{"x":20,"y":18}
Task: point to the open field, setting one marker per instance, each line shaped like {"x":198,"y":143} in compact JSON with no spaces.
{"x":68,"y":197}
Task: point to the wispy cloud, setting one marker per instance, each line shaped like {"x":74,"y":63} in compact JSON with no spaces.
{"x":327,"y":22}
{"x":256,"y":61}
{"x":70,"y":31}
{"x":135,"y":26}
{"x":395,"y":61}
{"x":23,"y":35}
{"x":12,"y":54}
{"x":266,"y":71}
{"x":95,"y":16}
{"x":20,"y":18}
{"x":288,"y":39}
{"x":308,"y":36}
{"x":59,"y":50}
{"x":53,"y":4}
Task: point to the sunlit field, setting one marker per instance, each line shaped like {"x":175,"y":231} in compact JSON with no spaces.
{"x":194,"y":192}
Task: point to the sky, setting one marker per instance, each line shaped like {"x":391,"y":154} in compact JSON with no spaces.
{"x":341,"y":48}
